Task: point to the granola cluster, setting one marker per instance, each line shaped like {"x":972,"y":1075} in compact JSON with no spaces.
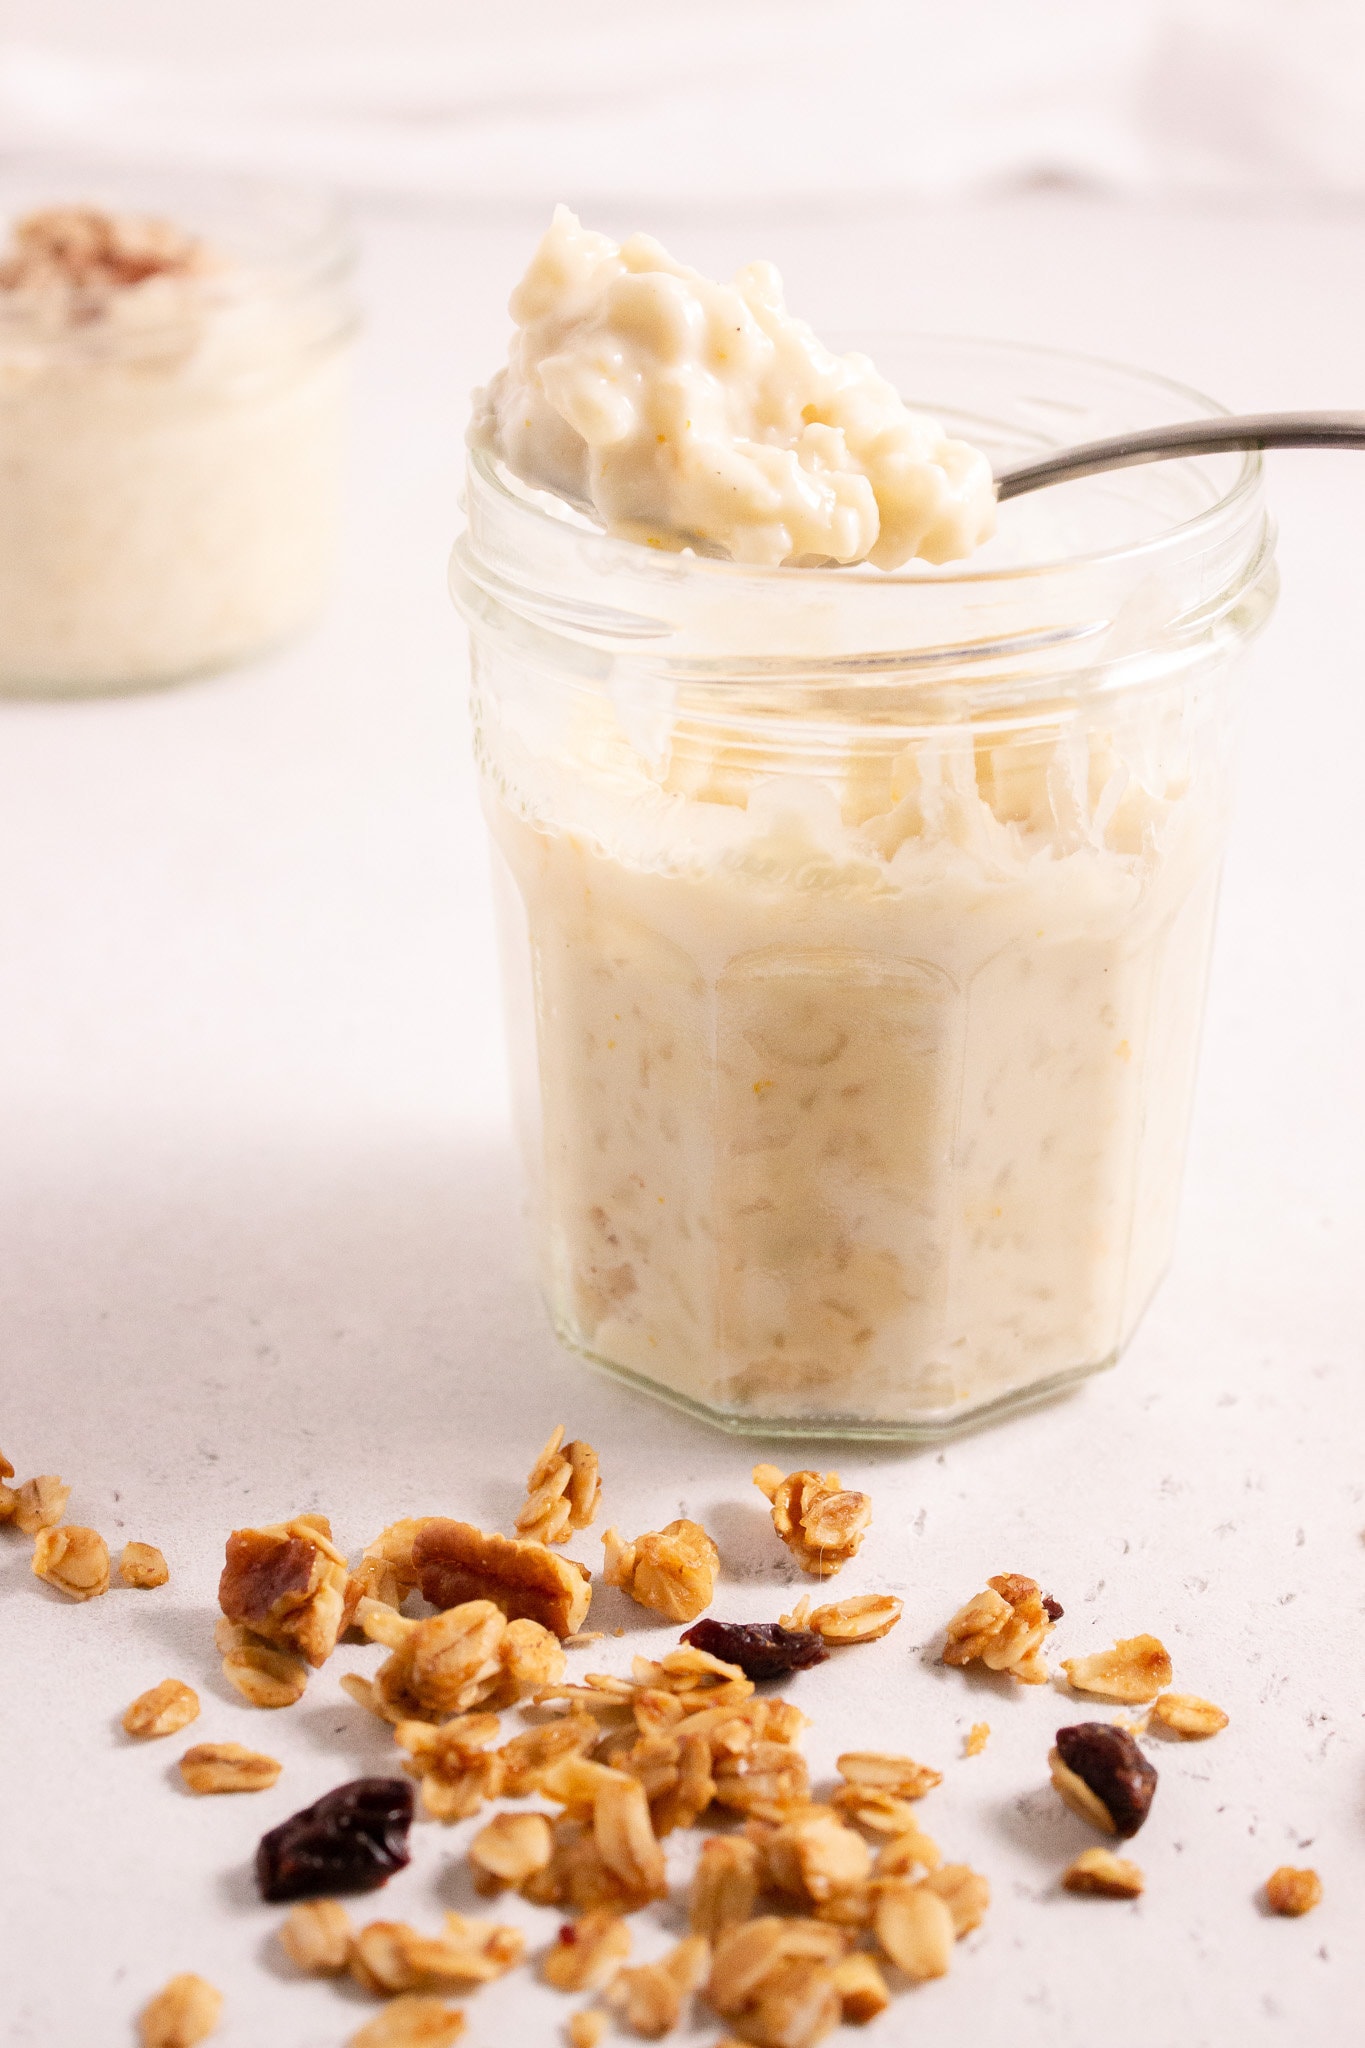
{"x":672,"y":1570}
{"x":1004,"y":1627}
{"x":563,"y":1489}
{"x":821,"y":1522}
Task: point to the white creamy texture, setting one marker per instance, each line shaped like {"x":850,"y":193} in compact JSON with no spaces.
{"x":169,"y":479}
{"x":864,"y":1101}
{"x":688,"y":413}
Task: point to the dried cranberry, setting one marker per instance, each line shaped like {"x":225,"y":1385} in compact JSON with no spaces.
{"x":1107,"y":1759}
{"x":350,"y":1840}
{"x":762,"y":1649}
{"x":1052,"y":1608}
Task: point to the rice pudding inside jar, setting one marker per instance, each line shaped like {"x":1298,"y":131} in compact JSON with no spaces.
{"x":173,"y":395}
{"x":856,"y":923}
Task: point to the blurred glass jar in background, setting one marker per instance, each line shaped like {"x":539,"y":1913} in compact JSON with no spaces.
{"x":173,"y":399}
{"x":856,"y":925}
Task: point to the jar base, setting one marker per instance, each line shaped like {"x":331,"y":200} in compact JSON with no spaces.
{"x":925,"y":1429}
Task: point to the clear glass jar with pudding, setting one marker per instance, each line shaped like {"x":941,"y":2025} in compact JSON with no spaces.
{"x":856,"y":924}
{"x":173,"y":397}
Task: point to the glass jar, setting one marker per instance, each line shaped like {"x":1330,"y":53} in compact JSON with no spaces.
{"x":170,"y":452}
{"x":855,"y":925}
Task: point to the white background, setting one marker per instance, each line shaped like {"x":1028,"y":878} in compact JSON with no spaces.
{"x":258,"y":1209}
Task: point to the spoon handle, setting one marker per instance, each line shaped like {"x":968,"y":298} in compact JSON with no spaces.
{"x":1194,"y":437}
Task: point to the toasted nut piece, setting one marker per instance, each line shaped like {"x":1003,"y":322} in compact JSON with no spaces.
{"x":901,"y":1776}
{"x":915,"y":1928}
{"x":863,"y":1619}
{"x":907,"y":1853}
{"x":588,"y":1953}
{"x":586,"y":2029}
{"x":813,"y":1858}
{"x":316,"y":1936}
{"x":965,"y":1892}
{"x":453,"y":1562}
{"x":1292,"y":1892}
{"x":861,"y":1988}
{"x":1134,"y":1670}
{"x":563,"y":1489}
{"x":184,"y":2012}
{"x":142,"y":1565}
{"x":725,"y":1885}
{"x":650,"y":1998}
{"x":819,"y":1520}
{"x":511,"y":1848}
{"x":1184,"y":1713}
{"x":289,"y":1585}
{"x":263,"y":1675}
{"x":227,"y":1767}
{"x":164,"y":1710}
{"x":671,"y":1570}
{"x":1103,"y":1776}
{"x":1104,"y":1875}
{"x":1003,"y":1627}
{"x":411,"y":2022}
{"x":40,"y":1503}
{"x":978,"y":1735}
{"x":72,"y":1560}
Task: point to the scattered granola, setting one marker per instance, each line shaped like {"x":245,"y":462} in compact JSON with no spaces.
{"x":1184,"y":1713}
{"x":73,"y":1560}
{"x":761,"y":1649}
{"x":40,"y":1503}
{"x":227,"y":1767}
{"x":563,"y":1490}
{"x":390,"y":1958}
{"x":351,"y":1840}
{"x":411,"y":2022}
{"x":818,"y":1519}
{"x":863,"y":1619}
{"x":1004,"y":1628}
{"x":586,"y":2028}
{"x":6,"y":1469}
{"x":775,"y":1979}
{"x":9,"y":1502}
{"x":915,"y":1928}
{"x":978,"y":1735}
{"x":1103,"y":1776}
{"x":650,"y":1998}
{"x":671,"y":1570}
{"x":588,"y":1953}
{"x":457,"y":1766}
{"x":316,"y":1936}
{"x":451,"y":1562}
{"x":908,"y":1853}
{"x":183,"y":2013}
{"x":263,"y":1675}
{"x":814,"y":1858}
{"x":142,"y":1565}
{"x":861,"y":1988}
{"x":1103,"y":1875}
{"x":164,"y":1710}
{"x":1291,"y":1892}
{"x":469,"y":1656}
{"x":289,"y":1585}
{"x":900,"y":1777}
{"x":725,"y":1884}
{"x":511,"y":1848}
{"x":1135,"y":1670}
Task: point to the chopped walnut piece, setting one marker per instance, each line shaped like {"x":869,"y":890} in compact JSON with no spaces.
{"x":1103,"y":1776}
{"x":453,"y":1562}
{"x":457,"y":1765}
{"x":586,"y":2029}
{"x":183,"y":2013}
{"x":819,"y":1520}
{"x":1184,"y":1713}
{"x":671,"y":1570}
{"x":227,"y":1767}
{"x":316,"y":1936}
{"x":978,"y":1735}
{"x":813,"y":1857}
{"x":1291,"y":1892}
{"x":164,"y":1710}
{"x":588,"y":1953}
{"x":725,"y":1885}
{"x":775,"y":1979}
{"x":263,"y":1675}
{"x":861,"y":1988}
{"x":563,"y":1489}
{"x":1003,"y":1628}
{"x":964,"y":1891}
{"x":72,"y":1560}
{"x":289,"y":1585}
{"x":142,"y":1565}
{"x":650,"y":1998}
{"x":1104,"y":1875}
{"x":915,"y":1928}
{"x":511,"y":1848}
{"x":40,"y":1503}
{"x":863,"y":1619}
{"x":1135,"y":1670}
{"x":411,"y":2022}
{"x":391,"y":1957}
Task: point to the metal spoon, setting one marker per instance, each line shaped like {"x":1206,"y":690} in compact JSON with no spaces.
{"x":1194,"y":437}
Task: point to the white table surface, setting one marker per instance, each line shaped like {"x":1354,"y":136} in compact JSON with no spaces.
{"x":261,"y":1243}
